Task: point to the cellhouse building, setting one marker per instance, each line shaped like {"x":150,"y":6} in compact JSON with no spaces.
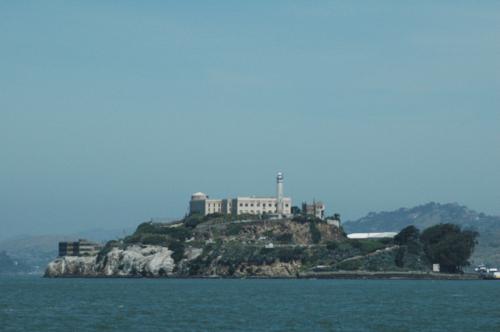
{"x":278,"y":205}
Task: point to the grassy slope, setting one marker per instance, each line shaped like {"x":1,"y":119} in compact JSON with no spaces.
{"x":229,"y":248}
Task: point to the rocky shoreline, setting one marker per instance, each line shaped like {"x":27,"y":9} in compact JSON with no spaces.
{"x":135,"y":261}
{"x":258,"y":249}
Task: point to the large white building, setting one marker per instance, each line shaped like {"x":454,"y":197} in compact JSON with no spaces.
{"x":202,"y":204}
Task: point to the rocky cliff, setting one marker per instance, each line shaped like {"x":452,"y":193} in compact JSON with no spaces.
{"x":213,"y":246}
{"x":134,"y":261}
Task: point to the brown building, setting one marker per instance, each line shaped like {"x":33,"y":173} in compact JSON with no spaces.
{"x":316,"y":209}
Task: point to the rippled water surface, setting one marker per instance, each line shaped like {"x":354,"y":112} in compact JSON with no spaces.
{"x":37,"y":304}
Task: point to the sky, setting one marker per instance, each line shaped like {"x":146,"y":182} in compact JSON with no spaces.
{"x":114,"y":112}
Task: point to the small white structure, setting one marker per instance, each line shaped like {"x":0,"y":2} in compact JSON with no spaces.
{"x":380,"y":235}
{"x":436,"y":268}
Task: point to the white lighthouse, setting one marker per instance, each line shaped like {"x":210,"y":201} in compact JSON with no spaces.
{"x":279,"y":194}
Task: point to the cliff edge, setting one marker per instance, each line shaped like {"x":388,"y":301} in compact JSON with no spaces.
{"x":213,"y":246}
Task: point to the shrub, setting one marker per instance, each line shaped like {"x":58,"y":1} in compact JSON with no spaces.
{"x":178,"y":250}
{"x":154,"y":239}
{"x":134,"y":238}
{"x":307,"y":218}
{"x":284,"y":238}
{"x":180,"y":233}
{"x":332,"y":245}
{"x":315,"y":233}
{"x":146,"y":227}
{"x":367,"y":246}
{"x":216,"y":215}
{"x":288,"y":254}
{"x":407,"y":235}
{"x":350,"y":265}
{"x":234,"y":229}
{"x":400,"y":257}
{"x":193,"y":220}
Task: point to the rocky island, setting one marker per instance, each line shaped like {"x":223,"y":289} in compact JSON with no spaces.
{"x":302,"y":246}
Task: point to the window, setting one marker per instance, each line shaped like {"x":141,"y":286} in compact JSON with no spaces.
{"x":246,"y":204}
{"x":251,"y":204}
{"x":241,"y":204}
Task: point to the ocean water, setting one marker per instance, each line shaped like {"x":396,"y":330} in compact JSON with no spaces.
{"x":37,"y":304}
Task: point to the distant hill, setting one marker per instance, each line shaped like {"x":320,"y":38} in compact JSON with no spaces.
{"x":423,"y":216}
{"x":8,"y":265}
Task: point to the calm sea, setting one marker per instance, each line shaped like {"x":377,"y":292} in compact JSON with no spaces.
{"x":36,"y":304}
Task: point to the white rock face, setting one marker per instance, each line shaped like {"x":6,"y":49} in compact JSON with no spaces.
{"x":71,"y":266}
{"x":136,"y":260}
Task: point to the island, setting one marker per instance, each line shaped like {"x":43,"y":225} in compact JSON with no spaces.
{"x":299,"y":246}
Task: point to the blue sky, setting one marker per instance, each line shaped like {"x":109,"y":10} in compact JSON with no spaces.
{"x":112,"y":112}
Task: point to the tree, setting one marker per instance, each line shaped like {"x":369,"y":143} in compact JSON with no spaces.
{"x":409,"y":241}
{"x":407,"y":235}
{"x":315,"y":233}
{"x":193,"y":220}
{"x":449,"y":245}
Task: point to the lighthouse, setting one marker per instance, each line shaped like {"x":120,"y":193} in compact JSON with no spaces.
{"x":279,"y":194}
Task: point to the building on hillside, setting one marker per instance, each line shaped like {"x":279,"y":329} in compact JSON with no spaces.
{"x":202,"y":204}
{"x":79,"y":248}
{"x":316,"y":209}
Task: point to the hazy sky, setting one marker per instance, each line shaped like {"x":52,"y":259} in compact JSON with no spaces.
{"x":112,"y":112}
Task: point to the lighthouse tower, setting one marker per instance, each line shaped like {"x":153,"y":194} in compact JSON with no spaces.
{"x":279,"y":194}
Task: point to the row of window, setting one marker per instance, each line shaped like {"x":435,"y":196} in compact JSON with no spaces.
{"x":246,"y":204}
{"x":256,"y":212}
{"x":214,"y":204}
{"x":258,"y":204}
{"x":263,"y":205}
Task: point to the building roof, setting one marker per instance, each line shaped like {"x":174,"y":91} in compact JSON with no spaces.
{"x":198,"y":196}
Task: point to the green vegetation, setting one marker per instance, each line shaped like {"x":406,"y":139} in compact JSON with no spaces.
{"x":427,"y":215}
{"x":285,"y":238}
{"x":237,"y":248}
{"x":366,"y":246}
{"x":332,"y":245}
{"x":315,"y":233}
{"x":449,"y":245}
{"x":233,"y":229}
{"x":445,"y":244}
{"x":350,"y":265}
